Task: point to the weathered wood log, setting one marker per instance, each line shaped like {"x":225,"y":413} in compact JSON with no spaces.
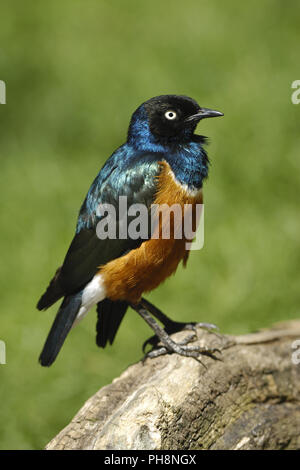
{"x":247,"y":399}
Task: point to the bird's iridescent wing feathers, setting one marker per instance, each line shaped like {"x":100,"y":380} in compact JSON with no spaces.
{"x":134,"y":178}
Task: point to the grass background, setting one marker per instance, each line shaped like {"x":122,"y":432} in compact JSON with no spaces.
{"x":75,"y":71}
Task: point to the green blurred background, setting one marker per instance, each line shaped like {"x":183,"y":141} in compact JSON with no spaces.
{"x":75,"y":71}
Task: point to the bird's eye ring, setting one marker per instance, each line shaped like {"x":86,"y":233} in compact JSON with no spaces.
{"x":170,"y":115}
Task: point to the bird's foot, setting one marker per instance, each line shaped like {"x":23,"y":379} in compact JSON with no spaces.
{"x":183,"y":350}
{"x":168,"y":344}
{"x":175,"y":327}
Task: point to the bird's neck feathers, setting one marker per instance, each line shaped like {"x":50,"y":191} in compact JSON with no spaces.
{"x":139,"y":134}
{"x":186,"y":156}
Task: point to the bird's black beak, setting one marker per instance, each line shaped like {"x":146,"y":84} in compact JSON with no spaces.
{"x":204,"y":113}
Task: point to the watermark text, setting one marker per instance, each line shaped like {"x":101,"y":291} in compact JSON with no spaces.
{"x":2,"y":92}
{"x":296,"y":94}
{"x":296,"y":354}
{"x":160,"y":221}
{"x":2,"y":352}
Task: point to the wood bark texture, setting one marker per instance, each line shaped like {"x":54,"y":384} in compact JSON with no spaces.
{"x":246,"y":398}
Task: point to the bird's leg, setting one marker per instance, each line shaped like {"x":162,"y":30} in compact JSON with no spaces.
{"x":174,"y":326}
{"x":170,"y":325}
{"x":169,"y":345}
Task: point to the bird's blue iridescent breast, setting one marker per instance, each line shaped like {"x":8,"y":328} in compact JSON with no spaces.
{"x":189,"y":165}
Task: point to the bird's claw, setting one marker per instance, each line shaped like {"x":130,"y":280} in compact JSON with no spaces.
{"x":154,"y":340}
{"x":183,"y":350}
{"x":175,"y":327}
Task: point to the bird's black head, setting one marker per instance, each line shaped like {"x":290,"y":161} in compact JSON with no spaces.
{"x":168,"y":118}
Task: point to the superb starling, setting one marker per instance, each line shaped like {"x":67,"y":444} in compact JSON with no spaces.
{"x":162,"y":162}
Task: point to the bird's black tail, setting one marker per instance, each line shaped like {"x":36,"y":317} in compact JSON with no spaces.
{"x":61,"y":326}
{"x":110,"y":315}
{"x":53,"y":293}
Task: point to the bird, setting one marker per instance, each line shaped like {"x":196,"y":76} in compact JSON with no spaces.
{"x":162,"y":162}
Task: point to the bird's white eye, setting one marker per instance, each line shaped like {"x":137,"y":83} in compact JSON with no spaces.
{"x":170,"y":115}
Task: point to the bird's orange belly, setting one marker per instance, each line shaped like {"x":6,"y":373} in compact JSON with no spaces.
{"x":144,"y":268}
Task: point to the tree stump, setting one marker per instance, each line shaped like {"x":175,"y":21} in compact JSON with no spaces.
{"x":247,"y":398}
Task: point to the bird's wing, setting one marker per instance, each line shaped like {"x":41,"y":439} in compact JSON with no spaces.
{"x":136,"y":179}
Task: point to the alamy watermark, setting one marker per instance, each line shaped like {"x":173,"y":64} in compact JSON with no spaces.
{"x":2,"y":92}
{"x":296,"y":354}
{"x":161,"y":221}
{"x":296,"y":94}
{"x":2,"y":352}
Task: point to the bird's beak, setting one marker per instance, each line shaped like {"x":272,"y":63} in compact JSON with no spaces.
{"x":204,"y":113}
